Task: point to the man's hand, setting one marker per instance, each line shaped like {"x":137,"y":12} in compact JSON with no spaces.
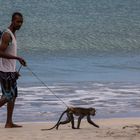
{"x":22,"y":61}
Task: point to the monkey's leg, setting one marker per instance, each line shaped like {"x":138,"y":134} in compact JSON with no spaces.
{"x":72,"y":120}
{"x":79,"y":121}
{"x":64,"y":122}
{"x":91,"y":122}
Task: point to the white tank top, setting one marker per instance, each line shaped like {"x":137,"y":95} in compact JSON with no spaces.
{"x":9,"y":65}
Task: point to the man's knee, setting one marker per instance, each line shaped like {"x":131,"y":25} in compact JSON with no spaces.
{"x":8,"y":97}
{"x":3,"y":100}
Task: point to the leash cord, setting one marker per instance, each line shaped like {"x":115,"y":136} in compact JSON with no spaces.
{"x":45,"y":85}
{"x":19,"y":68}
{"x":50,"y":112}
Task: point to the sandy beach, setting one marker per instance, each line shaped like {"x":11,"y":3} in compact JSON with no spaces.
{"x":110,"y":129}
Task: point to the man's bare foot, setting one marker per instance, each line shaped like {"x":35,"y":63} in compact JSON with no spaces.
{"x":12,"y":126}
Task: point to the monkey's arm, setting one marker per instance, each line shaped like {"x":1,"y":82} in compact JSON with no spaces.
{"x":91,"y":122}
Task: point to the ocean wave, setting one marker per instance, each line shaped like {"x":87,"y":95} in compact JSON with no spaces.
{"x":83,"y":42}
{"x":75,"y":27}
{"x":110,"y":99}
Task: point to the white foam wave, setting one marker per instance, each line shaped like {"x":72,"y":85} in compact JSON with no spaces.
{"x":108,"y":98}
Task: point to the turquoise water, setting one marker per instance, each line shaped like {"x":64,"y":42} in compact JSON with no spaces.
{"x":86,"y":51}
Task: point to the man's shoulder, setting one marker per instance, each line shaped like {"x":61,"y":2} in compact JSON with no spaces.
{"x":6,"y":35}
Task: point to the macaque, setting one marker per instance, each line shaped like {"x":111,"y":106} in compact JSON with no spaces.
{"x":77,"y":111}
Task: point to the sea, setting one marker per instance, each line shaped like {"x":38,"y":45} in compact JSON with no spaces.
{"x":81,"y":53}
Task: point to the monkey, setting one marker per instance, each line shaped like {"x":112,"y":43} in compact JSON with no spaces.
{"x":77,"y":111}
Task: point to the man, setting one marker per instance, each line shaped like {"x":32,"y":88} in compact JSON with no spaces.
{"x":8,"y":74}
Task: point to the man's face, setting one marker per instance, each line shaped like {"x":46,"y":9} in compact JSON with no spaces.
{"x":17,"y":22}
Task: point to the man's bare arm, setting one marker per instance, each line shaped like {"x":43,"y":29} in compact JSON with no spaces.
{"x":6,"y":38}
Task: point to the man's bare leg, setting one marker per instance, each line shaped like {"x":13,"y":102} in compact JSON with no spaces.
{"x":3,"y":101}
{"x":10,"y":109}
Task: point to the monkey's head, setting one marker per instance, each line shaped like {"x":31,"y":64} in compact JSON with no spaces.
{"x":92,"y":111}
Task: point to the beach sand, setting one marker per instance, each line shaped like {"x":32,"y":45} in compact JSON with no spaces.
{"x":110,"y":129}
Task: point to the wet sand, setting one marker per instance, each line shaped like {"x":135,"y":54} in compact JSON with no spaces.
{"x":110,"y":129}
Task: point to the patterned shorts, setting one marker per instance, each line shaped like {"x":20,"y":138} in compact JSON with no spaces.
{"x":8,"y":85}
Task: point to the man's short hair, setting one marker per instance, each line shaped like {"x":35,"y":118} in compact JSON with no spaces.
{"x":16,"y":14}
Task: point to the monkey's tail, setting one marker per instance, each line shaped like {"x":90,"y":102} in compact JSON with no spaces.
{"x":57,"y":121}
